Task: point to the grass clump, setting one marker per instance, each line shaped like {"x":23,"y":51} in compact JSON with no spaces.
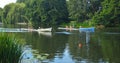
{"x":10,"y":48}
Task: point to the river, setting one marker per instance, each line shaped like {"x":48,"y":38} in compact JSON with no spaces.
{"x":75,"y":47}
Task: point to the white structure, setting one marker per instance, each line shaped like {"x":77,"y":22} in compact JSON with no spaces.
{"x":44,"y":30}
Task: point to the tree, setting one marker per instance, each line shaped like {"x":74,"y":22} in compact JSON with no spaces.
{"x":1,"y":10}
{"x":32,"y":13}
{"x":81,"y":10}
{"x":12,"y":13}
{"x":53,"y":12}
{"x":109,"y":15}
{"x":45,"y":13}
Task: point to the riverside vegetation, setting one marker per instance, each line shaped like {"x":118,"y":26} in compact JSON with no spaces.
{"x":10,"y":48}
{"x":50,"y":13}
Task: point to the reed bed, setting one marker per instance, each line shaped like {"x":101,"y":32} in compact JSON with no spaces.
{"x":10,"y":48}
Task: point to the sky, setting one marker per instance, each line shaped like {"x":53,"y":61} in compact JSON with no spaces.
{"x":5,"y":2}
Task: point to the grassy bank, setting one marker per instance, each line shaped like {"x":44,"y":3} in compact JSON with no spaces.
{"x":76,"y":24}
{"x":10,"y":48}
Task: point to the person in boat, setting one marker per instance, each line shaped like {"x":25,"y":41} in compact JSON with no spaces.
{"x":70,"y":27}
{"x":67,"y":28}
{"x":40,"y":28}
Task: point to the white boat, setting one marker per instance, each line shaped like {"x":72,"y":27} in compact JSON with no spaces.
{"x":90,"y":29}
{"x":44,"y":30}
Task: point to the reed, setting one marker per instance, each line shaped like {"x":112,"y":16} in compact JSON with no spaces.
{"x":10,"y":48}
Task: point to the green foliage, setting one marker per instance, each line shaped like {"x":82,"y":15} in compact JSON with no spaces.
{"x":83,"y":24}
{"x":10,"y":49}
{"x":32,"y":13}
{"x":82,"y":10}
{"x":48,"y":13}
{"x":77,"y":24}
{"x":109,"y":15}
{"x":45,"y":13}
{"x":53,"y":12}
{"x":12,"y":13}
{"x":1,"y":14}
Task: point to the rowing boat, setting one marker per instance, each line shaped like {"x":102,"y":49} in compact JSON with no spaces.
{"x":44,"y":29}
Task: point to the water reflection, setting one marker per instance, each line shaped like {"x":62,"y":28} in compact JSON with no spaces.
{"x":110,"y":47}
{"x":64,"y":58}
{"x":85,"y":49}
{"x":76,"y":47}
{"x":46,"y":33}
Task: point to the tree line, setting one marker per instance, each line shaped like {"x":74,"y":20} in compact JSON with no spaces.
{"x":48,"y":13}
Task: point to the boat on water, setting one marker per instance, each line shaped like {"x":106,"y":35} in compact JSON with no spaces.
{"x":44,"y":30}
{"x":90,"y":29}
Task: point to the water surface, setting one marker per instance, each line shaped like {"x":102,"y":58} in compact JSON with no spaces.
{"x":74,"y":47}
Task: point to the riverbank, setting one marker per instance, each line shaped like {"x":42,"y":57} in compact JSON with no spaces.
{"x":14,"y":50}
{"x":10,"y":48}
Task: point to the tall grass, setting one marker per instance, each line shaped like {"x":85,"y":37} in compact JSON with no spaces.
{"x":10,"y":48}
